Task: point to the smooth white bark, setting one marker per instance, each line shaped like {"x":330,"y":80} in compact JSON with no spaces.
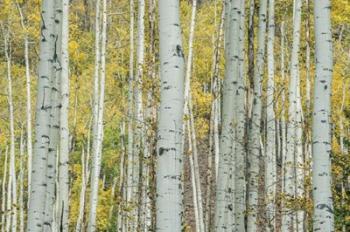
{"x":43,"y":108}
{"x":294,"y":158}
{"x":270,"y":158}
{"x":28,"y":102}
{"x":323,"y":219}
{"x":4,"y":194}
{"x":12,"y":165}
{"x":169,"y":200}
{"x":97,"y":153}
{"x":63,"y":177}
{"x":254,"y":135}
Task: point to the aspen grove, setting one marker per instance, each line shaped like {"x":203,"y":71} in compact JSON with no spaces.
{"x":175,"y":115}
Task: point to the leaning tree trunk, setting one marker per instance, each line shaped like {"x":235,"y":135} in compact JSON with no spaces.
{"x":270,"y":159}
{"x":43,"y":106}
{"x":97,"y":153}
{"x":254,"y":135}
{"x":12,"y":169}
{"x":169,"y":163}
{"x":323,"y":219}
{"x":191,"y":129}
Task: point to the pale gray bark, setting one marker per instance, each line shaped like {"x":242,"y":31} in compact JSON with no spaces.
{"x":137,"y":183}
{"x":28,"y":102}
{"x":193,"y":179}
{"x":270,"y":157}
{"x":294,"y":161}
{"x":214,"y":123}
{"x":95,"y":109}
{"x":323,"y":219}
{"x":191,"y":129}
{"x":43,"y":108}
{"x":254,"y":135}
{"x":5,"y":194}
{"x":85,"y":180}
{"x":63,"y":177}
{"x":169,"y":146}
{"x":21,"y":184}
{"x":122,"y":181}
{"x":240,"y":120}
{"x":129,"y":192}
{"x":12,"y":165}
{"x":225,"y":180}
{"x":97,"y":153}
{"x":54,"y":123}
{"x":283,"y":116}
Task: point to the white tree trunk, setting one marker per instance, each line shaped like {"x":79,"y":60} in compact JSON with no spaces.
{"x":323,"y":219}
{"x":139,"y":185}
{"x":5,"y":194}
{"x":190,"y":123}
{"x":29,"y":106}
{"x":240,"y":127}
{"x":254,"y":151}
{"x":21,"y":186}
{"x":12,"y":169}
{"x":214,"y":124}
{"x":294,"y":160}
{"x":63,"y":177}
{"x":97,"y":153}
{"x":54,"y":123}
{"x":129,"y":192}
{"x":169,"y":146}
{"x":270,"y":158}
{"x":43,"y":108}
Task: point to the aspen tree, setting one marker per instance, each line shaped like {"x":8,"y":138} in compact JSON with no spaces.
{"x":138,"y":184}
{"x":323,"y":217}
{"x":240,"y":121}
{"x":225,"y":180}
{"x":250,"y":56}
{"x":12,"y":183}
{"x":294,"y":160}
{"x":5,"y":194}
{"x":84,"y":182}
{"x":190,"y":124}
{"x":254,"y":135}
{"x":63,"y":177}
{"x":129,"y":192}
{"x":43,"y":108}
{"x":169,"y":145}
{"x":49,"y":218}
{"x":214,"y":123}
{"x":28,"y":105}
{"x":283,"y":126}
{"x":270,"y":158}
{"x":21,"y":184}
{"x":97,"y":153}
